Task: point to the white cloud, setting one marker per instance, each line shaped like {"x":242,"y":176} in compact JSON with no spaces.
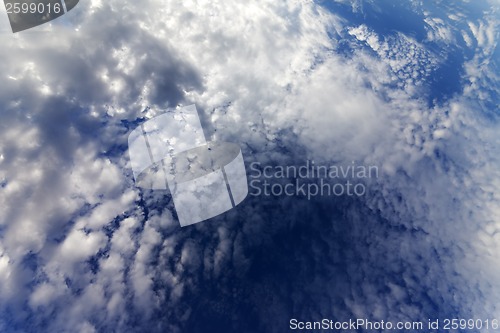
{"x":265,"y":74}
{"x":408,"y":60}
{"x":484,"y":33}
{"x":467,"y":38}
{"x":438,"y":30}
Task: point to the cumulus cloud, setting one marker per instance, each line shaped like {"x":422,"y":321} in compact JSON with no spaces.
{"x":82,"y":249}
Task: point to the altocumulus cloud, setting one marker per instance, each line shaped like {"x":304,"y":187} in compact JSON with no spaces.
{"x":82,"y":250}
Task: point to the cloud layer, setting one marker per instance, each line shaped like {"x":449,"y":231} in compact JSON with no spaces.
{"x":82,"y":249}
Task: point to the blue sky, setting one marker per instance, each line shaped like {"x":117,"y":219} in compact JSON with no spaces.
{"x":83,"y":250}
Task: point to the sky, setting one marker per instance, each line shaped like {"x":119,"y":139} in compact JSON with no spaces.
{"x":82,"y":249}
